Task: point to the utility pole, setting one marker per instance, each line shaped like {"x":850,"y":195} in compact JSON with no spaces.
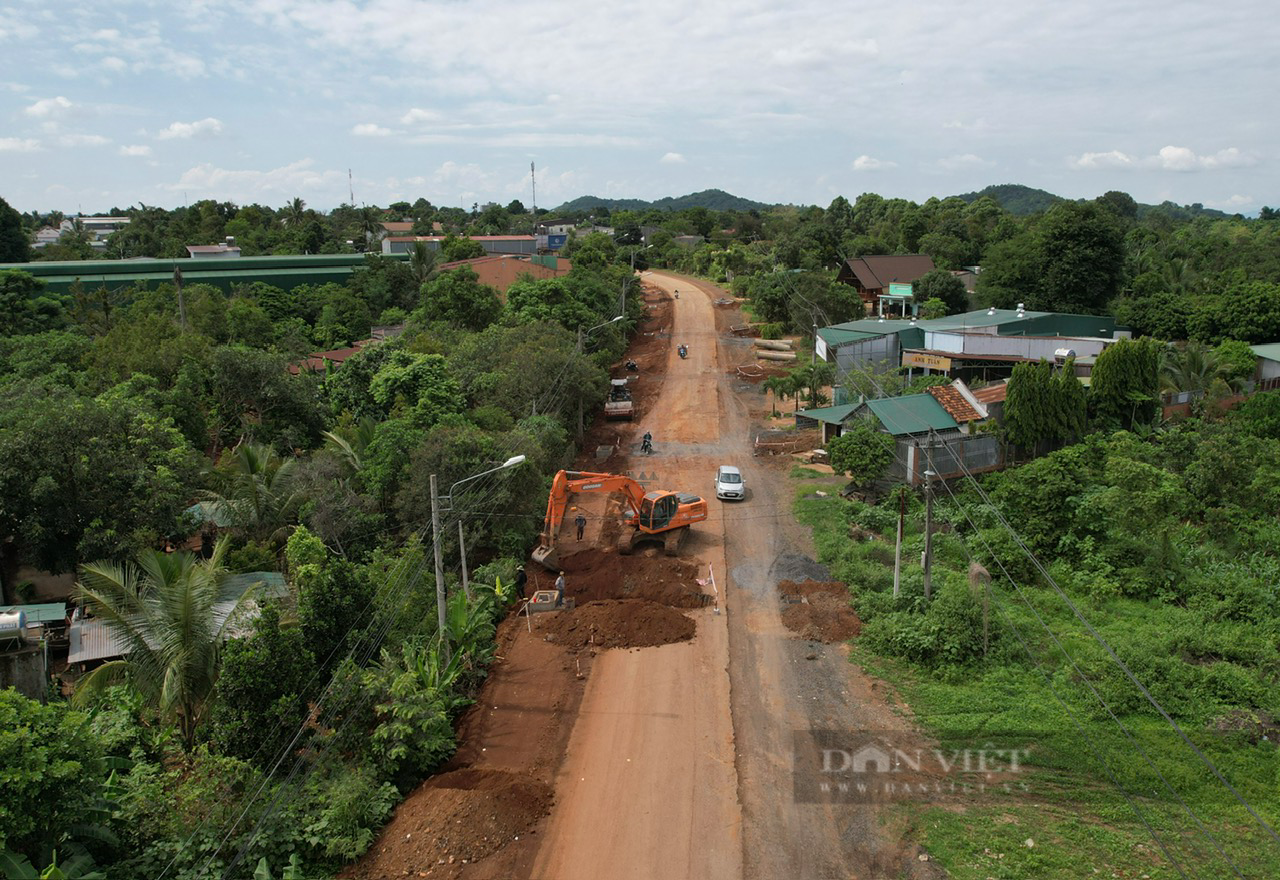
{"x":928,"y":533}
{"x":441,"y":607}
{"x":581,"y":426}
{"x":462,"y":551}
{"x":182,"y":306}
{"x":897,"y":553}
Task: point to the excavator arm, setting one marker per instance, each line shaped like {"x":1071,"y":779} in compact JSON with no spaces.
{"x":567,"y":483}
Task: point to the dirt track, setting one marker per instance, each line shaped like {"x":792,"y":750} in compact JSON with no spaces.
{"x":671,"y":761}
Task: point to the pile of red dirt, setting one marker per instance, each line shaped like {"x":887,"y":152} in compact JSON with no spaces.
{"x":620,"y":623}
{"x":819,"y":611}
{"x":592,"y":574}
{"x":455,"y":819}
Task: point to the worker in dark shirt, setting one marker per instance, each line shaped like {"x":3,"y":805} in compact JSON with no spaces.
{"x":522,"y":580}
{"x":581,"y":522}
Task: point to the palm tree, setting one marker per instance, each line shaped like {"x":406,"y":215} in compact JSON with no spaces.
{"x":1194,"y":367}
{"x":422,"y":262}
{"x":164,"y":608}
{"x":295,"y":212}
{"x":256,"y":492}
{"x":349,"y":444}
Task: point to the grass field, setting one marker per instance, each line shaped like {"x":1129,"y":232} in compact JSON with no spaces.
{"x":1110,"y":789}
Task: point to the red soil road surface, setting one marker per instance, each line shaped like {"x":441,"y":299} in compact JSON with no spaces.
{"x":649,"y":787}
{"x":672,"y":761}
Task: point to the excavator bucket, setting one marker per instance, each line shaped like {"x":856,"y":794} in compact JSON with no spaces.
{"x":546,"y":556}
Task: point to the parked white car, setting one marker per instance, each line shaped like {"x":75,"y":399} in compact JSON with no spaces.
{"x":729,"y":483}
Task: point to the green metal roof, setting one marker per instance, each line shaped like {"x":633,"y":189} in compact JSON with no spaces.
{"x":285,"y":272}
{"x":911,"y":414}
{"x":1269,"y":350}
{"x":42,"y":612}
{"x":836,"y":336}
{"x":832,"y":415}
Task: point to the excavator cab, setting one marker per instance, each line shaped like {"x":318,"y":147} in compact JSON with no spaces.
{"x":657,"y":509}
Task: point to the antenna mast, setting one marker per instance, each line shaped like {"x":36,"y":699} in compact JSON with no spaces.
{"x":351,"y":188}
{"x":533,"y":178}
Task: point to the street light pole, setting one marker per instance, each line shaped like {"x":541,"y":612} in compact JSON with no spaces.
{"x":581,"y":337}
{"x":442,"y":609}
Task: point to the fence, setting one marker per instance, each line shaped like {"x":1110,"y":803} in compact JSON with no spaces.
{"x":947,"y":456}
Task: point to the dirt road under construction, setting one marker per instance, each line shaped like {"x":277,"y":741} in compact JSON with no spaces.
{"x":672,"y":760}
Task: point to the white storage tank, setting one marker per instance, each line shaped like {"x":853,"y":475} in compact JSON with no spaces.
{"x":13,"y":625}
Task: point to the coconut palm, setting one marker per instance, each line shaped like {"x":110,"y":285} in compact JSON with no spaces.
{"x":170,"y":612}
{"x":422,"y":262}
{"x":255,"y":492}
{"x":295,"y":213}
{"x":1194,"y":367}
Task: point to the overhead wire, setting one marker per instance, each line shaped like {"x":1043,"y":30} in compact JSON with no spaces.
{"x":1082,"y":676}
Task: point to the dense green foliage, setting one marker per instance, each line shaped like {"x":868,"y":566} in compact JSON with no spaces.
{"x":862,"y":451}
{"x":135,"y":423}
{"x":1166,"y":545}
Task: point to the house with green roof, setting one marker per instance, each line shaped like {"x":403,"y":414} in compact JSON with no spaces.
{"x":1268,"y":361}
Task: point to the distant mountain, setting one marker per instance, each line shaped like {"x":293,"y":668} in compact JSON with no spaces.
{"x":1023,"y":200}
{"x":711,"y":199}
{"x":1016,"y":199}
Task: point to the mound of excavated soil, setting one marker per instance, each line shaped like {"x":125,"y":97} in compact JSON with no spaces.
{"x":620,"y":623}
{"x":592,"y":574}
{"x":451,"y":818}
{"x":819,"y":611}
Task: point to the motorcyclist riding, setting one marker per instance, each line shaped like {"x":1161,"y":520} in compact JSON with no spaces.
{"x":683,"y":350}
{"x":646,"y":443}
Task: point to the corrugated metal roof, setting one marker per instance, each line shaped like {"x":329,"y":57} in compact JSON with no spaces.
{"x":832,"y":415}
{"x":837,"y":336}
{"x":911,"y":414}
{"x":878,"y":270}
{"x":93,"y":640}
{"x":1269,"y":350}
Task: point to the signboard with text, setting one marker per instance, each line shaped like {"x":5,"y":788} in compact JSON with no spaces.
{"x":931,"y":361}
{"x":899,"y":289}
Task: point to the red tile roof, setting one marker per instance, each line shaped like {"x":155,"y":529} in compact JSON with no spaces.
{"x":954,"y":403}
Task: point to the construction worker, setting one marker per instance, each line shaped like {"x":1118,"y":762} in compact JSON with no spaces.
{"x":522,"y":580}
{"x":560,"y":591}
{"x":581,"y":522}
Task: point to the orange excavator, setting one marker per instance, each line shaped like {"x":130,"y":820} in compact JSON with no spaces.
{"x":653,"y":515}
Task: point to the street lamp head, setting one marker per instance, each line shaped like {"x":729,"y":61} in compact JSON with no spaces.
{"x":513,"y":461}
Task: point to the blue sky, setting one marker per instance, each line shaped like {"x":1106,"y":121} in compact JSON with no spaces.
{"x":118,"y":102}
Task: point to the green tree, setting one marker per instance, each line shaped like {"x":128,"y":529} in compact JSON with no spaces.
{"x":454,"y":248}
{"x":1081,"y":250}
{"x":50,"y":762}
{"x":941,"y":284}
{"x":1125,"y":385}
{"x":163,"y":608}
{"x":13,"y":238}
{"x":263,"y":688}
{"x":862,"y":451}
{"x":457,"y":297}
{"x":1192,"y":367}
{"x":85,"y":479}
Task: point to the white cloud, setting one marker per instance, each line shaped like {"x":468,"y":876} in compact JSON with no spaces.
{"x":135,"y":150}
{"x":370,"y":129}
{"x":248,"y":185}
{"x":418,"y":115}
{"x":870,"y":163}
{"x":1233,"y":204}
{"x":83,"y":140}
{"x":962,"y":162}
{"x":49,"y":108}
{"x":1096,"y":161}
{"x":208,"y":126}
{"x":1184,"y":159}
{"x":19,"y":145}
{"x":1167,"y":159}
{"x":672,"y":159}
